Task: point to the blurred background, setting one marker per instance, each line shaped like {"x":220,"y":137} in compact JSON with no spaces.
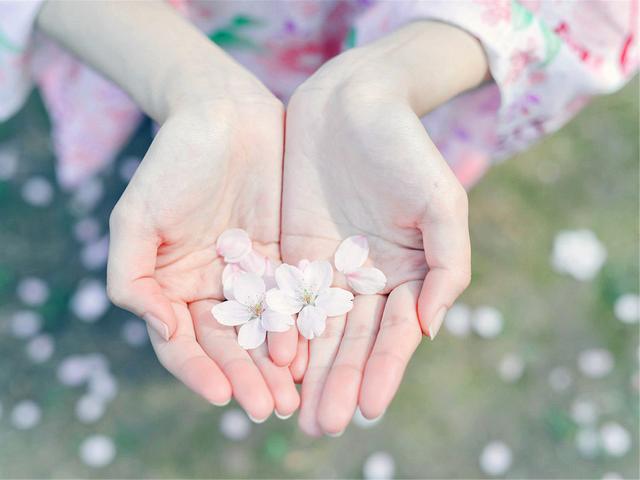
{"x":535,"y":374}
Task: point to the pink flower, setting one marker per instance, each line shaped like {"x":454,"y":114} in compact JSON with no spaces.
{"x":307,"y":291}
{"x":349,"y":260}
{"x":249,"y":309}
{"x":233,"y":244}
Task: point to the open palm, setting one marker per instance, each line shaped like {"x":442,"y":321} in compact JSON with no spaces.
{"x":359,"y":163}
{"x":213,"y":167}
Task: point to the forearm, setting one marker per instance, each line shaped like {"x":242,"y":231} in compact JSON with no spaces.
{"x":144,"y":46}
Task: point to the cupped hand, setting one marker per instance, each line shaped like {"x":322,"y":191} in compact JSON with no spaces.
{"x":212,"y":166}
{"x":359,"y":161}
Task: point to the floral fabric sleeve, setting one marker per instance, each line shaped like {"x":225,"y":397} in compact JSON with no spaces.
{"x":16,"y":25}
{"x":546,"y":59}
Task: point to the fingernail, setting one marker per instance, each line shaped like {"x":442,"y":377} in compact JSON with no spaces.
{"x":436,"y":323}
{"x":335,"y":435}
{"x":283,"y":417}
{"x":158,"y":325}
{"x":256,"y":420}
{"x":223,"y":404}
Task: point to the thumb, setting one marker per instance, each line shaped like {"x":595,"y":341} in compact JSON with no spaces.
{"x":130,"y":274}
{"x":448,"y":253}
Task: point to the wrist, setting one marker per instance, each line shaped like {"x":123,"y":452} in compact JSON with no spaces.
{"x":208,"y":78}
{"x":423,"y":64}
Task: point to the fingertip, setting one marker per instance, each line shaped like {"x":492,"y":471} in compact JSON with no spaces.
{"x":308,"y":425}
{"x":339,"y":399}
{"x":286,"y":405}
{"x":379,"y":386}
{"x":202,"y":376}
{"x":283,"y":346}
{"x":259,"y":409}
{"x":298,"y":365}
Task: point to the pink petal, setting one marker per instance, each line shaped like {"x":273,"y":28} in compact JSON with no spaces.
{"x":233,"y":244}
{"x":367,"y":280}
{"x":253,"y":262}
{"x":251,"y":335}
{"x":289,"y":278}
{"x":269,"y":276}
{"x":231,"y":313}
{"x":276,"y":322}
{"x":335,"y":301}
{"x":248,"y":289}
{"x":283,"y":302}
{"x":351,"y":253}
{"x":318,"y":275}
{"x":311,"y":322}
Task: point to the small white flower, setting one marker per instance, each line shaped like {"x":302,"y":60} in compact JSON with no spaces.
{"x":379,"y":466}
{"x":233,"y":245}
{"x":249,"y":309}
{"x":349,"y":260}
{"x":26,"y":415}
{"x":487,"y":321}
{"x":235,"y":425}
{"x":578,"y":253}
{"x":616,"y":440}
{"x":495,"y":459}
{"x":97,"y":451}
{"x":308,"y":292}
{"x":595,"y":362}
{"x":627,"y":308}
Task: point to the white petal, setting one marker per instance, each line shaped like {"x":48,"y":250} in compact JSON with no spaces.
{"x":229,"y":274}
{"x":233,"y":244}
{"x":311,"y":322}
{"x":335,"y":301}
{"x":367,"y":280}
{"x":231,"y":313}
{"x":352,"y":253}
{"x":253,"y":262}
{"x":289,"y":278}
{"x":318,"y":275}
{"x":251,"y":335}
{"x":283,"y":302}
{"x":276,"y":322}
{"x":248,"y":289}
{"x":302,"y":264}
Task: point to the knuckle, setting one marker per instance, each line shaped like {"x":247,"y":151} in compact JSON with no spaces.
{"x":116,"y":293}
{"x":462,"y":279}
{"x":116,"y":217}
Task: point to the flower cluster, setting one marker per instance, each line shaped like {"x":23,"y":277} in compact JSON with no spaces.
{"x":264,"y":298}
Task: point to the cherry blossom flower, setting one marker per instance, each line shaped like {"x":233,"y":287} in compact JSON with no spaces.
{"x":249,"y":309}
{"x":349,"y":260}
{"x":252,"y":263}
{"x":307,"y":291}
{"x":233,"y":245}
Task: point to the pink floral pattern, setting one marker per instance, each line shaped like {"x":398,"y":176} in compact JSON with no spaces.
{"x":546,"y":58}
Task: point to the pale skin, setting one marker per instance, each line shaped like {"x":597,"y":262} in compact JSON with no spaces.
{"x":356,"y":161}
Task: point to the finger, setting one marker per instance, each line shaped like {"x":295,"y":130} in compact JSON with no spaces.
{"x":130,"y":269}
{"x":279,"y":381}
{"x":398,"y":338}
{"x":186,"y":360}
{"x":448,"y":253}
{"x":283,"y":346}
{"x":299,"y":364}
{"x":340,"y":393}
{"x":221,"y":344}
{"x":322,"y":352}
